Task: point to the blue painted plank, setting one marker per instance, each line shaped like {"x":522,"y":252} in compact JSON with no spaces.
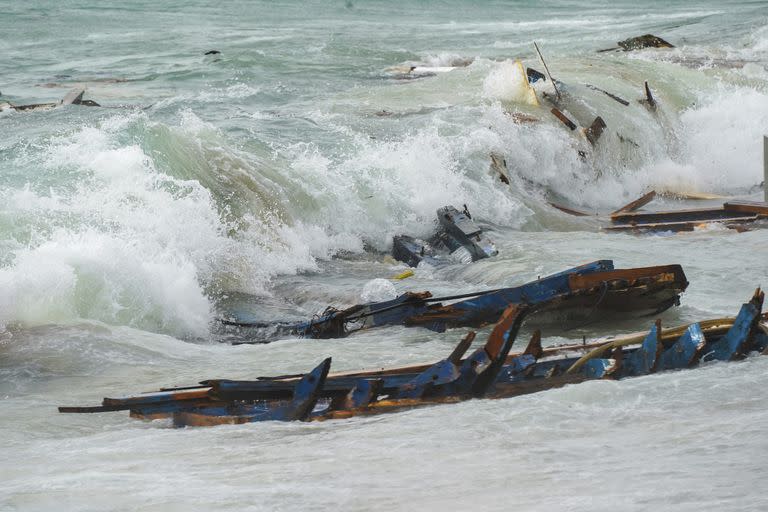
{"x":598,"y":368}
{"x":306,"y":394}
{"x":643,"y":360}
{"x":438,"y":374}
{"x":734,"y":344}
{"x":685,"y":352}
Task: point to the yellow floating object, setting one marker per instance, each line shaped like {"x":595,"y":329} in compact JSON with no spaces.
{"x":404,"y":275}
{"x":530,"y":92}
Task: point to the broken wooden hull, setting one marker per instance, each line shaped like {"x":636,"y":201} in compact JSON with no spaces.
{"x":733,"y":214}
{"x":580,"y":294}
{"x":491,"y":371}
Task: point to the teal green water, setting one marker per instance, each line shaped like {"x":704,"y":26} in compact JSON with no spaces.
{"x":273,"y":175}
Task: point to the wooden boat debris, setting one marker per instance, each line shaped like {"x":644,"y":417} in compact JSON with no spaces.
{"x":457,"y":240}
{"x":490,"y":371}
{"x":736,"y":214}
{"x":575,"y":296}
{"x":73,"y":97}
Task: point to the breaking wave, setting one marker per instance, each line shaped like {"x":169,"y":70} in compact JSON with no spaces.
{"x":133,"y":222}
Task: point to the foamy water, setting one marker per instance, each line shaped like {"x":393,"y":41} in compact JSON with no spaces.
{"x":273,"y":176}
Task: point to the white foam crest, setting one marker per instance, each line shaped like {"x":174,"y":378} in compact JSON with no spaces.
{"x":127,"y":244}
{"x":382,"y":188}
{"x":216,"y":94}
{"x":507,"y":82}
{"x":445,"y":59}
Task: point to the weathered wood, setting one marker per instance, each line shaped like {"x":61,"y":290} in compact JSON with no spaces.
{"x":569,"y":211}
{"x":661,"y":273}
{"x":563,"y":119}
{"x":736,"y":342}
{"x":682,"y":225}
{"x":644,"y":360}
{"x":754,"y":207}
{"x":685,"y":352}
{"x":499,"y":166}
{"x":692,"y":214}
{"x":612,"y":96}
{"x":648,"y":101}
{"x":595,"y":130}
{"x":637,"y":203}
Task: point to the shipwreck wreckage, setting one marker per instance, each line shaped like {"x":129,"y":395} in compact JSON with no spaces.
{"x":73,"y":97}
{"x":491,"y":371}
{"x":578,"y":294}
{"x":735,"y":214}
{"x":458,"y":239}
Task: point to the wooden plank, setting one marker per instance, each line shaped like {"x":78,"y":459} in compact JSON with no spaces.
{"x":499,"y":165}
{"x":736,"y":342}
{"x":649,"y":101}
{"x":595,"y":130}
{"x":644,"y":360}
{"x":563,"y":119}
{"x":637,"y":203}
{"x":686,"y":350}
{"x":756,"y":207}
{"x":703,"y":213}
{"x":662,"y":273}
{"x":679,"y":225}
{"x":569,"y":211}
{"x":612,"y":96}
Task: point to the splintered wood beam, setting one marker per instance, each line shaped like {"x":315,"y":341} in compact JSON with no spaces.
{"x":637,"y":203}
{"x":569,"y":211}
{"x":612,"y":96}
{"x":753,"y":207}
{"x":499,"y":165}
{"x":649,"y":101}
{"x":595,"y":130}
{"x":563,"y":118}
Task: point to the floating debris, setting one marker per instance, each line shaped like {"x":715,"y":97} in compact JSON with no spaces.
{"x":735,"y":214}
{"x":491,"y":371}
{"x":649,"y":100}
{"x":73,"y":97}
{"x":458,"y":240}
{"x":610,"y":95}
{"x":575,"y":296}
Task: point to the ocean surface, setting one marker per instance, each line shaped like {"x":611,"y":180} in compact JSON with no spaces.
{"x":271,"y":178}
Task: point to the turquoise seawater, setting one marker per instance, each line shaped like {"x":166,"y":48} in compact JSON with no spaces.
{"x":272,"y":176}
